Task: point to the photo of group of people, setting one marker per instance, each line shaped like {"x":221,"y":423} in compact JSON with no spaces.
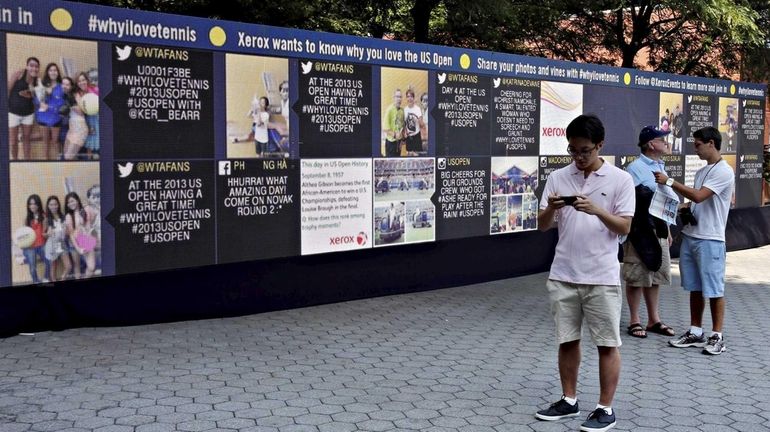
{"x":403,"y":211}
{"x":399,"y":179}
{"x":514,"y":204}
{"x":404,"y":107}
{"x":257,"y":107}
{"x":514,"y":175}
{"x":55,"y":221}
{"x":671,"y":119}
{"x":53,"y":99}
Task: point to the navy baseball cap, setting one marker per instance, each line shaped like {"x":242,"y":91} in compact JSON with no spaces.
{"x":649,"y":133}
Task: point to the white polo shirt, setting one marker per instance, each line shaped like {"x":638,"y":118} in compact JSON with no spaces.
{"x":587,"y":251}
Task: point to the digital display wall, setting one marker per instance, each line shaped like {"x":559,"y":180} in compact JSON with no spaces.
{"x":139,"y":142}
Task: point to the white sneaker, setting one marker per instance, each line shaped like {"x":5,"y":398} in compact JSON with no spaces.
{"x":715,"y":345}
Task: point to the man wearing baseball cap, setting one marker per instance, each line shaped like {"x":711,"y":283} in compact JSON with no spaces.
{"x":646,"y":259}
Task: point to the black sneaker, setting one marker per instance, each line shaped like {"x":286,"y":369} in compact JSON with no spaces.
{"x":558,"y":410}
{"x":715,"y":345}
{"x":688,"y":340}
{"x":598,"y":421}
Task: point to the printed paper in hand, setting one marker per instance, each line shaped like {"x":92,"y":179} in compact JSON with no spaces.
{"x":664,"y":205}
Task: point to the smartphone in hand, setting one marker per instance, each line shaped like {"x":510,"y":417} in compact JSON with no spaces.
{"x":569,"y":200}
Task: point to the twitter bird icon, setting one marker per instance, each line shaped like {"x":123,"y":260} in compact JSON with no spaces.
{"x":125,"y":170}
{"x":123,"y":53}
{"x":441,"y":78}
{"x":496,"y":82}
{"x":306,"y":67}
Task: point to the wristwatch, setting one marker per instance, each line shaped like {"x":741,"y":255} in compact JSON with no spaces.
{"x":670,"y":182}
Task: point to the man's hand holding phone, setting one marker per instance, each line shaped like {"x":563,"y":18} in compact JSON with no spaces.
{"x":558,"y":201}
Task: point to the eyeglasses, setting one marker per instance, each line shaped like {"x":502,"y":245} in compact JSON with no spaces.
{"x":582,"y":153}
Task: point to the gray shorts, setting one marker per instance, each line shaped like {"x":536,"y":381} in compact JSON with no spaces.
{"x":600,"y":305}
{"x":635,"y":273}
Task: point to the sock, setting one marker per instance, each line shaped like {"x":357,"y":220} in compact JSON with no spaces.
{"x":569,"y":400}
{"x":605,"y":408}
{"x":697,"y":331}
{"x":717,"y":333}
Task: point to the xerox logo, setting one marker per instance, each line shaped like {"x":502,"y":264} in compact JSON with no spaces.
{"x":359,"y":239}
{"x":341,"y":240}
{"x":362,"y":238}
{"x":554,"y":131}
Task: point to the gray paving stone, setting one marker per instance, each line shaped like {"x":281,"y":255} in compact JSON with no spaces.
{"x":421,"y":414}
{"x":252,"y":413}
{"x":236,"y":423}
{"x":449,"y":422}
{"x":326,"y":409}
{"x":298,"y":428}
{"x":350,"y":417}
{"x":93,"y":422}
{"x":412,"y":423}
{"x":114,"y":428}
{"x":16,"y":427}
{"x":196,"y":426}
{"x":135,"y":420}
{"x":175,"y":418}
{"x":452,"y":360}
{"x":36,"y":417}
{"x":155,"y":427}
{"x":312,"y":419}
{"x":268,"y":404}
{"x":276,"y":421}
{"x":375,"y":425}
{"x":290,"y":411}
{"x":337,"y":427}
{"x":51,"y":425}
{"x":116,"y":412}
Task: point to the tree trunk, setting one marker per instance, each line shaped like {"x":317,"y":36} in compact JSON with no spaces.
{"x":421,"y":17}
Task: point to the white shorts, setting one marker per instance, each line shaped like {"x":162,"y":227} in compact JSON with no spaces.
{"x":600,"y":305}
{"x":16,"y":120}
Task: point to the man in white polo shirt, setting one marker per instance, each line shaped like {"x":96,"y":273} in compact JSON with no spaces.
{"x":591,"y":203}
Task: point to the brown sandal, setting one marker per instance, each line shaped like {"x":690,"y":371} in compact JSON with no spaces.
{"x":661,"y":329}
{"x":636,"y":330}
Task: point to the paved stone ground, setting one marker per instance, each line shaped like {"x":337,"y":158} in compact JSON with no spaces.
{"x":473,"y":358}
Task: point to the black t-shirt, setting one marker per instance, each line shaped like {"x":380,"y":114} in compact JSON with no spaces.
{"x":18,"y":104}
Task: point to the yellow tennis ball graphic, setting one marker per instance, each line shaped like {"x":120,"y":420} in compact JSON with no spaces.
{"x":732,"y":89}
{"x":465,"y":61}
{"x":61,"y":19}
{"x":217,"y":36}
{"x":627,"y":78}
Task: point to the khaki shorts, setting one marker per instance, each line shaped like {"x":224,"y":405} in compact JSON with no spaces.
{"x":636,"y":274}
{"x":600,"y":305}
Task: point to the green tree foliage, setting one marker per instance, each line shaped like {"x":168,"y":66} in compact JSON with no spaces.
{"x":756,"y":59}
{"x":704,"y":37}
